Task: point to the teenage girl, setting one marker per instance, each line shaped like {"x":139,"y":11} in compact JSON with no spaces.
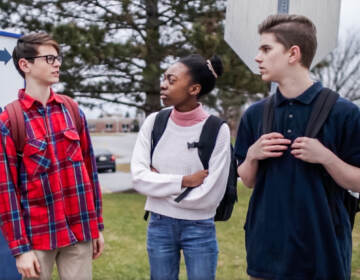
{"x":187,"y":225}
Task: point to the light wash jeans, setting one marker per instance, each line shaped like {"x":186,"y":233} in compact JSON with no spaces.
{"x":167,"y":236}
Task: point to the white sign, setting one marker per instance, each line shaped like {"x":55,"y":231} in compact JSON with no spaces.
{"x":244,"y":16}
{"x":10,"y":79}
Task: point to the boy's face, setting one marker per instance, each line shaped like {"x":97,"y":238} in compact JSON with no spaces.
{"x":40,"y":70}
{"x":272,"y":58}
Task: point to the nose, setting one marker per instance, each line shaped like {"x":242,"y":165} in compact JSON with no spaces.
{"x":258,"y":58}
{"x":57,"y":63}
{"x":163,"y":84}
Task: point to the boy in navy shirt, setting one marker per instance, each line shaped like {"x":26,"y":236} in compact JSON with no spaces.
{"x":290,"y":230}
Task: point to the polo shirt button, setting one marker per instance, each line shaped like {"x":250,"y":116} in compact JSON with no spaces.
{"x":291,"y":116}
{"x":289,"y":131}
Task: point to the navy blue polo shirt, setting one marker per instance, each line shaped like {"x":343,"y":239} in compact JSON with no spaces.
{"x":289,"y":229}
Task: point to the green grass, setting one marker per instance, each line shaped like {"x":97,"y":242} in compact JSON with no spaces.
{"x":125,"y":256}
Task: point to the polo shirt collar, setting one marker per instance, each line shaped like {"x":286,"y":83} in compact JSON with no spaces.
{"x":306,"y":97}
{"x":28,"y":101}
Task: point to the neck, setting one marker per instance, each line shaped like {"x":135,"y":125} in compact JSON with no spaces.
{"x":294,"y":85}
{"x":37,"y":91}
{"x":187,"y":107}
{"x":189,"y":118}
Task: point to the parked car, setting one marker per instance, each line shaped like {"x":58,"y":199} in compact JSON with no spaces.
{"x":105,"y":160}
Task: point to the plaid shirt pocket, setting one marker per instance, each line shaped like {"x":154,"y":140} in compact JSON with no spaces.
{"x":73,"y":150}
{"x":35,"y":159}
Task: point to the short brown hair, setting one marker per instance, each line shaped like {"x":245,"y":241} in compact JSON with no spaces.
{"x":27,"y":46}
{"x":291,"y":30}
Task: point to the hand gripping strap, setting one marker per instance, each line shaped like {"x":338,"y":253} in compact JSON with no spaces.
{"x":206,"y":146}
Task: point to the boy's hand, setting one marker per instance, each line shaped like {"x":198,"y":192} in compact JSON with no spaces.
{"x":98,"y":246}
{"x":310,"y":150}
{"x":268,"y":146}
{"x":195,"y":179}
{"x":28,"y":265}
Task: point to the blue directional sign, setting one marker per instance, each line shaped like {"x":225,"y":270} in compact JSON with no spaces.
{"x":10,"y":83}
{"x":10,"y":79}
{"x":5,"y":56}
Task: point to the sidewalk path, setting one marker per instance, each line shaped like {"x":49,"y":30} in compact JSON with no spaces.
{"x":115,"y":182}
{"x":121,"y":145}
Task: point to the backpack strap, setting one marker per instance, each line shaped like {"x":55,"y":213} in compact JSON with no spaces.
{"x":321,"y":109}
{"x":268,"y":114}
{"x":17,"y":125}
{"x":73,"y":109}
{"x":159,"y":127}
{"x":205,"y":146}
{"x":322,"y":106}
{"x":208,"y":138}
{"x":160,"y":123}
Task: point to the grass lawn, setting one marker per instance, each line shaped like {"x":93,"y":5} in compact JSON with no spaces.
{"x":125,"y":256}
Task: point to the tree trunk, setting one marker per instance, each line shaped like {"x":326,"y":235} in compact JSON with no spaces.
{"x":152,"y":70}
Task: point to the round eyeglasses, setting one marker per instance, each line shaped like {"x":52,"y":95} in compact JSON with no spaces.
{"x":50,"y":59}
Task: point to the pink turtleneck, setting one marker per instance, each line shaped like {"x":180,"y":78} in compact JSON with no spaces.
{"x":189,"y":118}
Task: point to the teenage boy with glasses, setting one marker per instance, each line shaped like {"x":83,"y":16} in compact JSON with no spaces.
{"x":50,"y":199}
{"x":291,"y":231}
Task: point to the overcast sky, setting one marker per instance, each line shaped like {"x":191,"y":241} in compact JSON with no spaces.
{"x":349,"y":16}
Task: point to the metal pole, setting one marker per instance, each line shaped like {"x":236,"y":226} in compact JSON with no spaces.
{"x":283,"y":8}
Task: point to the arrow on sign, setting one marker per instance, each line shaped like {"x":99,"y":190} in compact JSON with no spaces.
{"x":5,"y":56}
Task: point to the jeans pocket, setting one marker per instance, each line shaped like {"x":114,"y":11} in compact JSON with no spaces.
{"x":205,"y":223}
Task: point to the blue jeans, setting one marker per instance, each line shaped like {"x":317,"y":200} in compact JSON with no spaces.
{"x":167,"y":236}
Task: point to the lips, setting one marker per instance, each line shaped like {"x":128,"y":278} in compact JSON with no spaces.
{"x":262,"y":70}
{"x":163,"y":95}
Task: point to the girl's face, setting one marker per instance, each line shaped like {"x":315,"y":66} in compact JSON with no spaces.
{"x":177,"y":88}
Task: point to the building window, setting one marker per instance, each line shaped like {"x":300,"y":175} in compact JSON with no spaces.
{"x":125,"y":127}
{"x":92,"y":127}
{"x":109,"y":126}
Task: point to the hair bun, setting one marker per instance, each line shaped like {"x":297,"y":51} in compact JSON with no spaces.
{"x":217,"y":65}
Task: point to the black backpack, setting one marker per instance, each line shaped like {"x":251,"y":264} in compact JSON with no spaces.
{"x":205,"y":147}
{"x":324,"y":102}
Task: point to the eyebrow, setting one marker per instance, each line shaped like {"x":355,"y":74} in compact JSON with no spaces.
{"x":169,"y":75}
{"x":264,"y":46}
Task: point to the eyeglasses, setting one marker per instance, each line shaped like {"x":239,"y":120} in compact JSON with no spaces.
{"x":50,"y":59}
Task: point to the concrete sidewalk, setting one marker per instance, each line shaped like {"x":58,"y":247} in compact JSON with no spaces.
{"x":121,"y":145}
{"x":115,"y":182}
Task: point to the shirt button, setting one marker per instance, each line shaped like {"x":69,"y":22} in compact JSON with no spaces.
{"x":289,"y":131}
{"x":291,"y":116}
{"x":291,"y":103}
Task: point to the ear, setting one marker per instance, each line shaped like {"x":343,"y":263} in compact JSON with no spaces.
{"x":24,"y":65}
{"x":194,"y":89}
{"x":294,"y":54}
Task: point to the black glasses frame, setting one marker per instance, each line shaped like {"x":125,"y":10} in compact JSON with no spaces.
{"x":50,"y":59}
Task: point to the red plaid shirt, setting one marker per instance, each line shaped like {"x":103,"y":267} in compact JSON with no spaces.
{"x":53,"y":198}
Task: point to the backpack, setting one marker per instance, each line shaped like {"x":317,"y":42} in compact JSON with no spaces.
{"x":205,"y":147}
{"x":17,"y":122}
{"x":324,"y":102}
